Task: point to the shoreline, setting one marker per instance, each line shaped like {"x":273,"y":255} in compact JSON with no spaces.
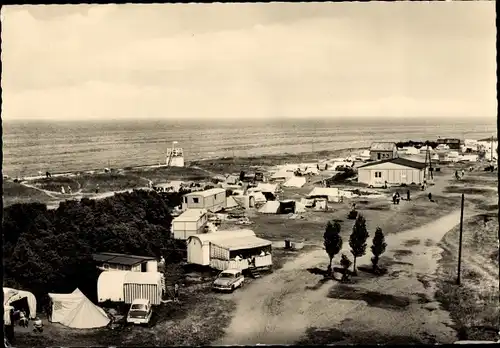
{"x":206,"y":161}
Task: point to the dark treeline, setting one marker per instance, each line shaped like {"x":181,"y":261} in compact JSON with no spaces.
{"x":417,"y":144}
{"x":51,"y":250}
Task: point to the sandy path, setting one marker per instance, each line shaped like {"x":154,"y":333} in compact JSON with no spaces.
{"x":278,"y":308}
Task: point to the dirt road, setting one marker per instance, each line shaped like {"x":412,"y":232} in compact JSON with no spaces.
{"x":279,"y":308}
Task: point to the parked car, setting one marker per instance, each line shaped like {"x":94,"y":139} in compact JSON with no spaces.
{"x":140,"y":312}
{"x":229,"y":280}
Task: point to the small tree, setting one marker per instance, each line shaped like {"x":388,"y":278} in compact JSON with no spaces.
{"x":357,"y":240}
{"x":332,"y":242}
{"x":378,"y":248}
{"x":345,"y":263}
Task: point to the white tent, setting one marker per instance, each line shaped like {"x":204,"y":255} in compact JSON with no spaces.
{"x":295,"y":181}
{"x":75,"y":310}
{"x":262,"y":187}
{"x":86,"y":315}
{"x":320,"y":204}
{"x":299,"y":207}
{"x":332,"y":193}
{"x":258,"y":197}
{"x":231,"y":203}
{"x":63,"y":304}
{"x":11,"y":295}
{"x":271,"y":207}
{"x":282,"y":175}
{"x":311,"y":170}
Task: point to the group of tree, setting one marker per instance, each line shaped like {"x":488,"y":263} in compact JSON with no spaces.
{"x":51,"y":250}
{"x":357,"y":243}
{"x":417,"y":144}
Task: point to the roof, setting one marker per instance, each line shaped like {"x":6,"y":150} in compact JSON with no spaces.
{"x":489,"y":139}
{"x":324,"y":191}
{"x":207,"y":193}
{"x":240,"y":243}
{"x":142,"y":278}
{"x":266,"y":187}
{"x":401,"y":161}
{"x":383,"y":146}
{"x":220,"y":235}
{"x":190,"y":215}
{"x":120,"y":259}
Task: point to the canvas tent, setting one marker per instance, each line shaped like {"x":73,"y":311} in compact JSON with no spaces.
{"x":12,"y":295}
{"x":271,"y":207}
{"x":75,"y":310}
{"x":295,"y":181}
{"x":231,"y":203}
{"x":284,"y":207}
{"x":262,"y":187}
{"x":330,"y":193}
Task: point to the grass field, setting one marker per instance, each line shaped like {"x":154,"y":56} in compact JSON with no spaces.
{"x":473,"y":305}
{"x":88,"y":183}
{"x":237,"y":164}
{"x":165,"y":174}
{"x":16,"y":193}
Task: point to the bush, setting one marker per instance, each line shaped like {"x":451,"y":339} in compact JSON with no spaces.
{"x":51,"y":250}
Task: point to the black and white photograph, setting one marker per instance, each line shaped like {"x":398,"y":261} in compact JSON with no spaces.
{"x":221,"y":174}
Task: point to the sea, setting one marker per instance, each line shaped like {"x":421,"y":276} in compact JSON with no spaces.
{"x":33,"y":146}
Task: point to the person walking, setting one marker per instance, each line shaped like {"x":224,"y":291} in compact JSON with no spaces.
{"x":408,"y":195}
{"x":176,"y":292}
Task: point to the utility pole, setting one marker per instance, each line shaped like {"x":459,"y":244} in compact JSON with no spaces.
{"x":491,"y":148}
{"x":460,"y":241}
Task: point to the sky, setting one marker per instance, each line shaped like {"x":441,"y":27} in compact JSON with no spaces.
{"x":231,"y":61}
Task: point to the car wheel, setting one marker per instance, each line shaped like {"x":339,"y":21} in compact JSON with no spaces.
{"x":232,"y":288}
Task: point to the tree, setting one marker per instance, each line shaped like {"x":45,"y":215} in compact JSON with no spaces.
{"x":357,"y":240}
{"x":345,"y":263}
{"x":332,"y":242}
{"x":378,"y":248}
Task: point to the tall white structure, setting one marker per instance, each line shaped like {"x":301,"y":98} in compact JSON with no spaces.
{"x":175,"y":156}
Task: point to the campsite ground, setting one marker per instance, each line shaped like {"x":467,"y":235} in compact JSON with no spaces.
{"x":413,"y":302}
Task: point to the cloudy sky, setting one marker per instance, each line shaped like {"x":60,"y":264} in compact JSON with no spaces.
{"x":249,"y":60}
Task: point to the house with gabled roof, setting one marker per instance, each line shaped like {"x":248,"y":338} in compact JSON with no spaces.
{"x":395,"y":171}
{"x":383,"y":151}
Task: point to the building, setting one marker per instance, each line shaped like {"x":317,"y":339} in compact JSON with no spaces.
{"x":123,"y":286}
{"x":490,"y":147}
{"x":213,"y":200}
{"x":191,"y":222}
{"x":453,"y":143}
{"x":229,"y":249}
{"x":383,"y":151}
{"x":395,"y":171}
{"x":123,"y":262}
{"x":175,"y":156}
{"x":409,"y":150}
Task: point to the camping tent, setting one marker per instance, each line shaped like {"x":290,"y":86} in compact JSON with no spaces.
{"x":231,"y":203}
{"x":75,"y":310}
{"x":271,"y":207}
{"x":86,"y":315}
{"x":282,"y":175}
{"x":262,"y":187}
{"x":295,"y":181}
{"x":11,"y":295}
{"x":331,"y":193}
{"x":258,"y":197}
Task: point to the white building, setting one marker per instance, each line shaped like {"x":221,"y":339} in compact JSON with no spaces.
{"x":191,"y":222}
{"x":408,"y":150}
{"x":395,"y":171}
{"x":229,"y":249}
{"x":213,"y":200}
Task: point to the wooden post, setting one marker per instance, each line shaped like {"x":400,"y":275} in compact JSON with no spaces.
{"x":460,"y":240}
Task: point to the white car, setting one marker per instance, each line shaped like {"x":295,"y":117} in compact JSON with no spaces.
{"x":229,"y":280}
{"x":140,"y":312}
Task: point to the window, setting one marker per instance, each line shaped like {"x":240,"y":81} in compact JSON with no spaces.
{"x":185,"y":199}
{"x":378,"y":155}
{"x":378,"y":174}
{"x":196,"y":200}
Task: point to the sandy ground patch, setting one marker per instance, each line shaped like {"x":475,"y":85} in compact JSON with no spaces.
{"x":278,"y":309}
